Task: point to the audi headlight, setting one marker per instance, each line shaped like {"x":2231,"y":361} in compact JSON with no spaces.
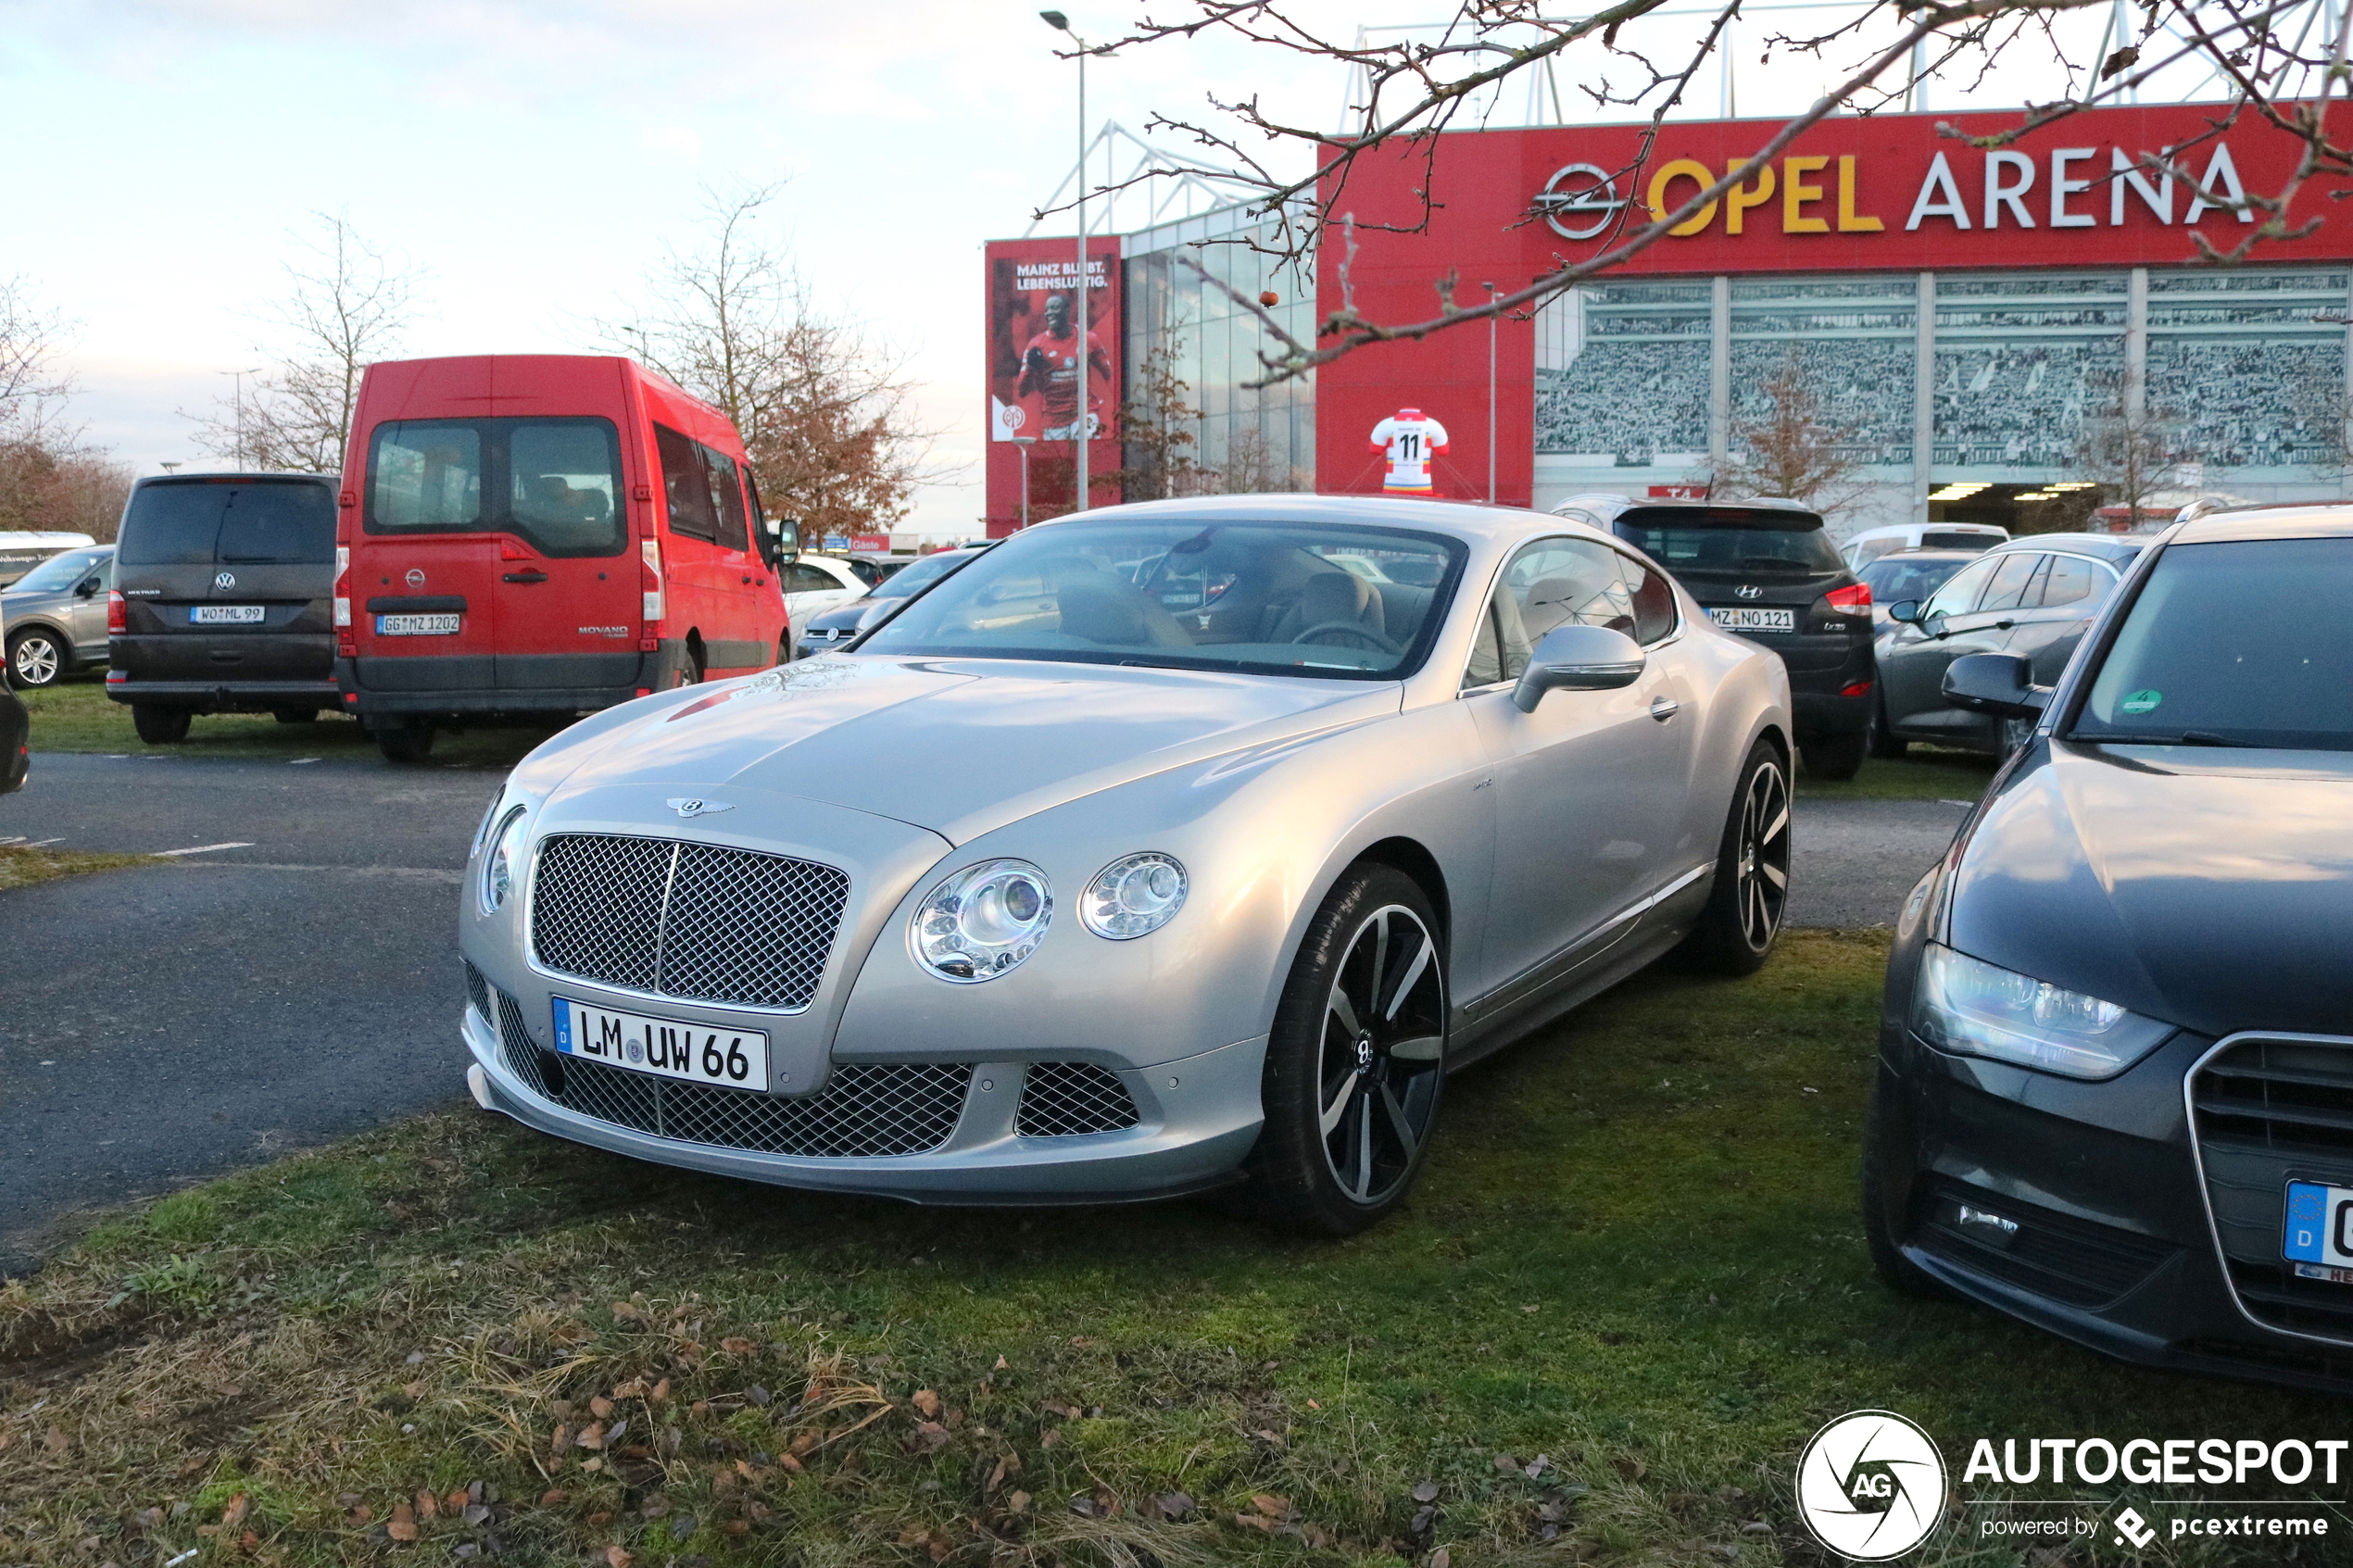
{"x":1134,"y":897}
{"x":1973,"y":1008}
{"x":501,"y":865}
{"x":982,"y":921}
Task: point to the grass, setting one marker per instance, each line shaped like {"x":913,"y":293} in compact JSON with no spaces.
{"x":75,"y":715}
{"x":23,"y":867}
{"x":1926,"y":773}
{"x":1633,"y":1271}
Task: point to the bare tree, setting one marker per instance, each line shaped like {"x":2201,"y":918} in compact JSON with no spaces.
{"x":2132,"y":450}
{"x":50,"y":476}
{"x":1790,"y":448}
{"x":2281,"y":75}
{"x":1157,"y":426}
{"x":346,"y":306}
{"x":826,"y":409}
{"x":31,"y":338}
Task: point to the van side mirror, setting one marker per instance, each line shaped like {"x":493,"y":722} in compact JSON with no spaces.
{"x":1906,"y":611}
{"x":784,"y":546}
{"x":2001,"y":684}
{"x":1578,"y":658}
{"x":86,"y":589}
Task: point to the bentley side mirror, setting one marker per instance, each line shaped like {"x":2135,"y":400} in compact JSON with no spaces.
{"x":1906,"y":611}
{"x":1578,"y":658}
{"x":2001,"y":684}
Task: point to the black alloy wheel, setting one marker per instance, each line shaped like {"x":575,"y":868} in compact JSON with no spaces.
{"x":1736,"y":931}
{"x":1356,"y":1062}
{"x":36,"y":659}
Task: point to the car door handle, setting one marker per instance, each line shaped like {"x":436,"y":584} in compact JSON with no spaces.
{"x":524,"y":577}
{"x":1664,"y":708}
{"x":2004,"y":625}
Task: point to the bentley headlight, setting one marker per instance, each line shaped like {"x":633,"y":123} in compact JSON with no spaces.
{"x":500,"y":866}
{"x":1134,"y":897}
{"x":1973,"y":1008}
{"x":982,"y":922}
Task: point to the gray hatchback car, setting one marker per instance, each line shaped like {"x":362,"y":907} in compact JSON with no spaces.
{"x":56,"y":616}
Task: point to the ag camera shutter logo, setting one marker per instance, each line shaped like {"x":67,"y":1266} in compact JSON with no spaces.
{"x":1871,"y":1485}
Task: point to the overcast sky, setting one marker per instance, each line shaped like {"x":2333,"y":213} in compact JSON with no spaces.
{"x":533,"y":159}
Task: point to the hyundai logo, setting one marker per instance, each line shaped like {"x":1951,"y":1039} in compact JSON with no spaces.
{"x":692,"y":808}
{"x":1748,"y":591}
{"x":224,"y":581}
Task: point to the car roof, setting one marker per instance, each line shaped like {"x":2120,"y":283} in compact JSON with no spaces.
{"x":2107,"y":547}
{"x":1898,"y":530}
{"x":1900,"y":555}
{"x":2289,"y":519}
{"x":1467,"y":522}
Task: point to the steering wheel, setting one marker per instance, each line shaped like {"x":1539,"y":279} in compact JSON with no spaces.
{"x":1346,"y":633}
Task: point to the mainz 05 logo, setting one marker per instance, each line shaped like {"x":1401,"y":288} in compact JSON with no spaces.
{"x":1870,"y":1486}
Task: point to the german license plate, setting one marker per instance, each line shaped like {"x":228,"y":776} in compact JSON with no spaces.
{"x":417,"y":625}
{"x":1741,"y":618}
{"x":225,"y":615}
{"x":2317,"y":1237}
{"x":666,"y":1047}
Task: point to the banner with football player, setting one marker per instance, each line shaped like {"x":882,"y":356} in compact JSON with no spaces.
{"x":1051,"y":373}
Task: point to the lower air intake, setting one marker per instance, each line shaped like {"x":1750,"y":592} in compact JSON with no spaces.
{"x":1062,"y":1098}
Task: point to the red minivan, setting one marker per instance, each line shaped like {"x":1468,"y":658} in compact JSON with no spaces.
{"x":530,"y":536}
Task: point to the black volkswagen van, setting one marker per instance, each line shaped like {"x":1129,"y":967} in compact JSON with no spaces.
{"x":220,"y":603}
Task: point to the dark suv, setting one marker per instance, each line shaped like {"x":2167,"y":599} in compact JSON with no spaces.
{"x":1770,"y":571}
{"x":220,"y":603}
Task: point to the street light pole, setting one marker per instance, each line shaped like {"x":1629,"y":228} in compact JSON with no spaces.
{"x":1061,"y":23}
{"x":1490,"y":394}
{"x":1022,"y":444}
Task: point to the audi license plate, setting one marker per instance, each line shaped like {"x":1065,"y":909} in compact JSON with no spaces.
{"x":736,"y":1057}
{"x":2317,"y":1237}
{"x":225,"y":615}
{"x":1741,"y":618}
{"x":416,"y":625}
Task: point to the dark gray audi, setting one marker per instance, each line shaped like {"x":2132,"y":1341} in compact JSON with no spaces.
{"x":2115,"y":1087}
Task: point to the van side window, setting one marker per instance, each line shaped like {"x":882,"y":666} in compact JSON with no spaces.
{"x":726,"y":498}
{"x":428,"y":476}
{"x":562,"y":484}
{"x":683,"y":482}
{"x":554,"y":480}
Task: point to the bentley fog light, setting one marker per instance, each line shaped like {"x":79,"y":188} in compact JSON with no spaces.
{"x":982,"y":922}
{"x":1972,"y":1008}
{"x":1134,"y":897}
{"x":499,"y":867}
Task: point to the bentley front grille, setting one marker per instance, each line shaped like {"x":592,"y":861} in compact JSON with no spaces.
{"x":697,"y":922}
{"x":1060,"y":1099}
{"x":866,"y":1111}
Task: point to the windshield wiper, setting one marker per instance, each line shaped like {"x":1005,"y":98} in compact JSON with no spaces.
{"x":2187,"y":737}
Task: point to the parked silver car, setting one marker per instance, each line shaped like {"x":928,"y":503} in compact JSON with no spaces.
{"x":1066,"y":887}
{"x":56,"y":617}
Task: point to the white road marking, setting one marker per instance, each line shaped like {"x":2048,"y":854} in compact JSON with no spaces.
{"x":202,"y":849}
{"x":300,"y":762}
{"x":43,"y":843}
{"x":1942,"y":801}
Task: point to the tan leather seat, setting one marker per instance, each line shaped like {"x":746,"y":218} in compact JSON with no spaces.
{"x":1329,"y":597}
{"x":1100,"y":608}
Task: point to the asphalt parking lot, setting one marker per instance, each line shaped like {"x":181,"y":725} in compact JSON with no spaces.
{"x":296,"y":980}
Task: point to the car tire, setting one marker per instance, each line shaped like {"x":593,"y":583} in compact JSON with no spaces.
{"x":158,"y":725}
{"x":405,"y":742}
{"x":1349,"y":1118}
{"x":295,"y":715}
{"x":1835,"y":758}
{"x":37,"y":659}
{"x":1743,"y":918}
{"x":1896,"y":1271}
{"x":1884,"y":742}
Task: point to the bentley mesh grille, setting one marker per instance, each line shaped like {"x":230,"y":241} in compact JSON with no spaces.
{"x":866,"y":1109}
{"x":697,"y":922}
{"x":1058,"y":1098}
{"x":478,"y":991}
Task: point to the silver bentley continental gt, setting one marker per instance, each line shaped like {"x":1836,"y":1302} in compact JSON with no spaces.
{"x":1164,"y":848}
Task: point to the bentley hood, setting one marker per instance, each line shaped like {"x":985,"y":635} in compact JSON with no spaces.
{"x":960,"y":747}
{"x":2209,"y":888}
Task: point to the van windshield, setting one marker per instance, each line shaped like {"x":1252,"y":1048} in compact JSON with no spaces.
{"x":233,"y":522}
{"x":554,"y":482}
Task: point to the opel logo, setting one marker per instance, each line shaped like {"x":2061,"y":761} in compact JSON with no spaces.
{"x":1579,"y":201}
{"x":692,"y":808}
{"x":416,"y":578}
{"x":1748,"y":591}
{"x":224,"y":581}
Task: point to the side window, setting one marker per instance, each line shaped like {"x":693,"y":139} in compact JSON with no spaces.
{"x":726,"y":498}
{"x":685,"y":487}
{"x":1653,"y":599}
{"x":106,"y":574}
{"x":427,"y":474}
{"x":2072,"y":581}
{"x":1550,"y":583}
{"x":2007,"y":590}
{"x":1486,"y":666}
{"x":1959,"y":596}
{"x":808,"y":579}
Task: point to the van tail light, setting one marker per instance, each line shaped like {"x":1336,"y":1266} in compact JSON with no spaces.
{"x":1855,"y":600}
{"x":342,"y":585}
{"x":118,"y":612}
{"x":649,"y":578}
{"x":509,"y":551}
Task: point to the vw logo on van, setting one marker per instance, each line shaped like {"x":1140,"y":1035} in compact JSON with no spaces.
{"x":416,"y":578}
{"x":224,"y":581}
